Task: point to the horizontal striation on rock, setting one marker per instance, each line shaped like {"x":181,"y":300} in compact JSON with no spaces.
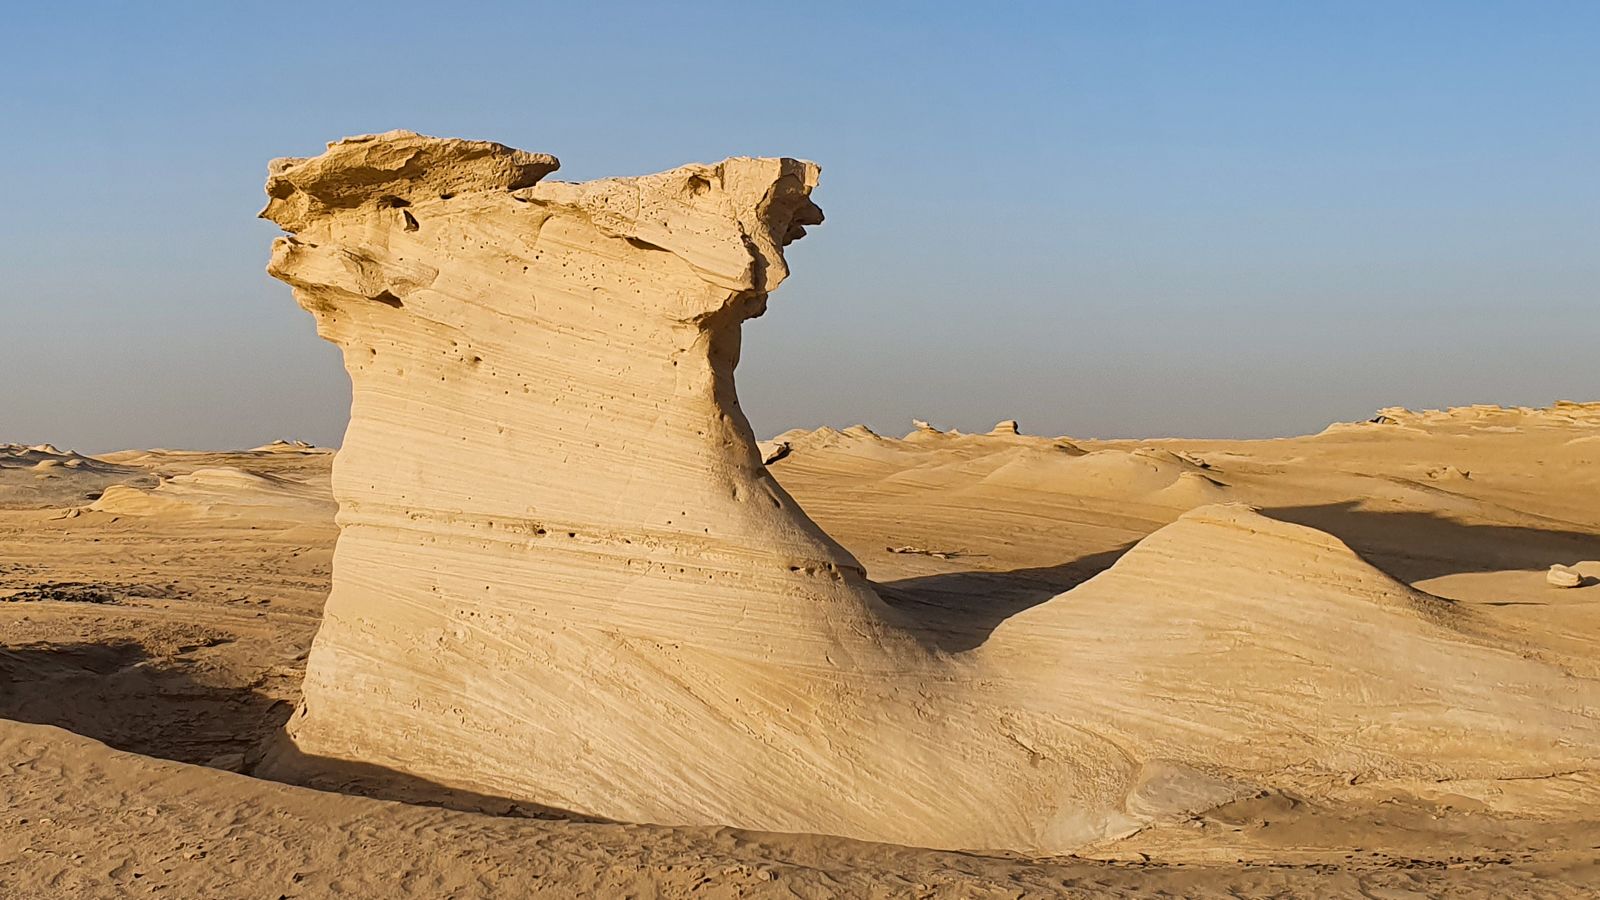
{"x":565,"y":576}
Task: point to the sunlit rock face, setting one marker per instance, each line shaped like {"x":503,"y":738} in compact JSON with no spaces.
{"x":564,"y":575}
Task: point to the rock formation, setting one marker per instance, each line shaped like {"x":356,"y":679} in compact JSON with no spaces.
{"x":1563,"y":577}
{"x":565,"y":577}
{"x":772,"y":451}
{"x":563,"y":573}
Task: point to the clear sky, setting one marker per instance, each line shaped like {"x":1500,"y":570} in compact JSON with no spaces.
{"x":1104,"y":219}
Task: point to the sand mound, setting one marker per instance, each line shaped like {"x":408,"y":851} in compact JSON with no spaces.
{"x":215,"y":492}
{"x":40,"y":476}
{"x":1147,"y":475}
{"x":120,"y":500}
{"x":1231,"y":549}
{"x":1228,"y":637}
{"x":1484,"y":418}
{"x":565,"y":577}
{"x":45,"y":457}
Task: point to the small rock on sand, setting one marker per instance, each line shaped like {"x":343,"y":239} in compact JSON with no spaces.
{"x":1563,"y":577}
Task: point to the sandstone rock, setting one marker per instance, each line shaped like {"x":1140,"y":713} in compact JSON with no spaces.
{"x":565,"y":577}
{"x":1563,"y":577}
{"x":563,"y":573}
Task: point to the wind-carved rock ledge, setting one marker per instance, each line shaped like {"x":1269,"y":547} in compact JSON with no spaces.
{"x":565,"y":577}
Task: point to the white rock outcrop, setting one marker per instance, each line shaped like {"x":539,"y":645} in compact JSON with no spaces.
{"x":772,"y":451}
{"x":1563,"y":577}
{"x":565,"y":577}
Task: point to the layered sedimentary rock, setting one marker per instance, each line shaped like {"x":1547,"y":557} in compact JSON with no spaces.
{"x":564,"y":575}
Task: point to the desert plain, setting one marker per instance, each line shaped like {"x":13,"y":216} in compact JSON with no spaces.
{"x":553,"y":623}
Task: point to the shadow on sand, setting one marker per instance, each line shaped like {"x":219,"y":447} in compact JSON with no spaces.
{"x":1417,"y":546}
{"x":282,"y":761}
{"x":958,"y":611}
{"x":116,"y":693}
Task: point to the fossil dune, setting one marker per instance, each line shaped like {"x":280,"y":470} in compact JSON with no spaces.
{"x":565,"y":576}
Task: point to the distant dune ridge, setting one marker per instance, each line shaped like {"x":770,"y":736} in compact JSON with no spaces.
{"x":566,"y":576}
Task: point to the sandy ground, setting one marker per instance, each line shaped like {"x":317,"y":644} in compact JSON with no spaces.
{"x":161,"y":603}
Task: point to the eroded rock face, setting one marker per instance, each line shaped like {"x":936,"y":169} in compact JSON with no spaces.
{"x":565,"y":577}
{"x":563,"y":573}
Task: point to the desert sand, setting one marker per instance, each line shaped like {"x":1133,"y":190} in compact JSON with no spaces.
{"x":554,"y":622}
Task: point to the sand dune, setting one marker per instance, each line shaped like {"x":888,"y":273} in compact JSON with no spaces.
{"x":1230,"y":636}
{"x":1155,"y":475}
{"x":223,"y":491}
{"x":42,"y":476}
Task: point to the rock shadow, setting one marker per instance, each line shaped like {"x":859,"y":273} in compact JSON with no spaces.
{"x":957,"y":611}
{"x":116,"y":693}
{"x":1415,"y":546}
{"x":280,"y":760}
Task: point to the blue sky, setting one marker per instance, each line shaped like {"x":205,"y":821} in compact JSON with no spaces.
{"x":1104,"y":219}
